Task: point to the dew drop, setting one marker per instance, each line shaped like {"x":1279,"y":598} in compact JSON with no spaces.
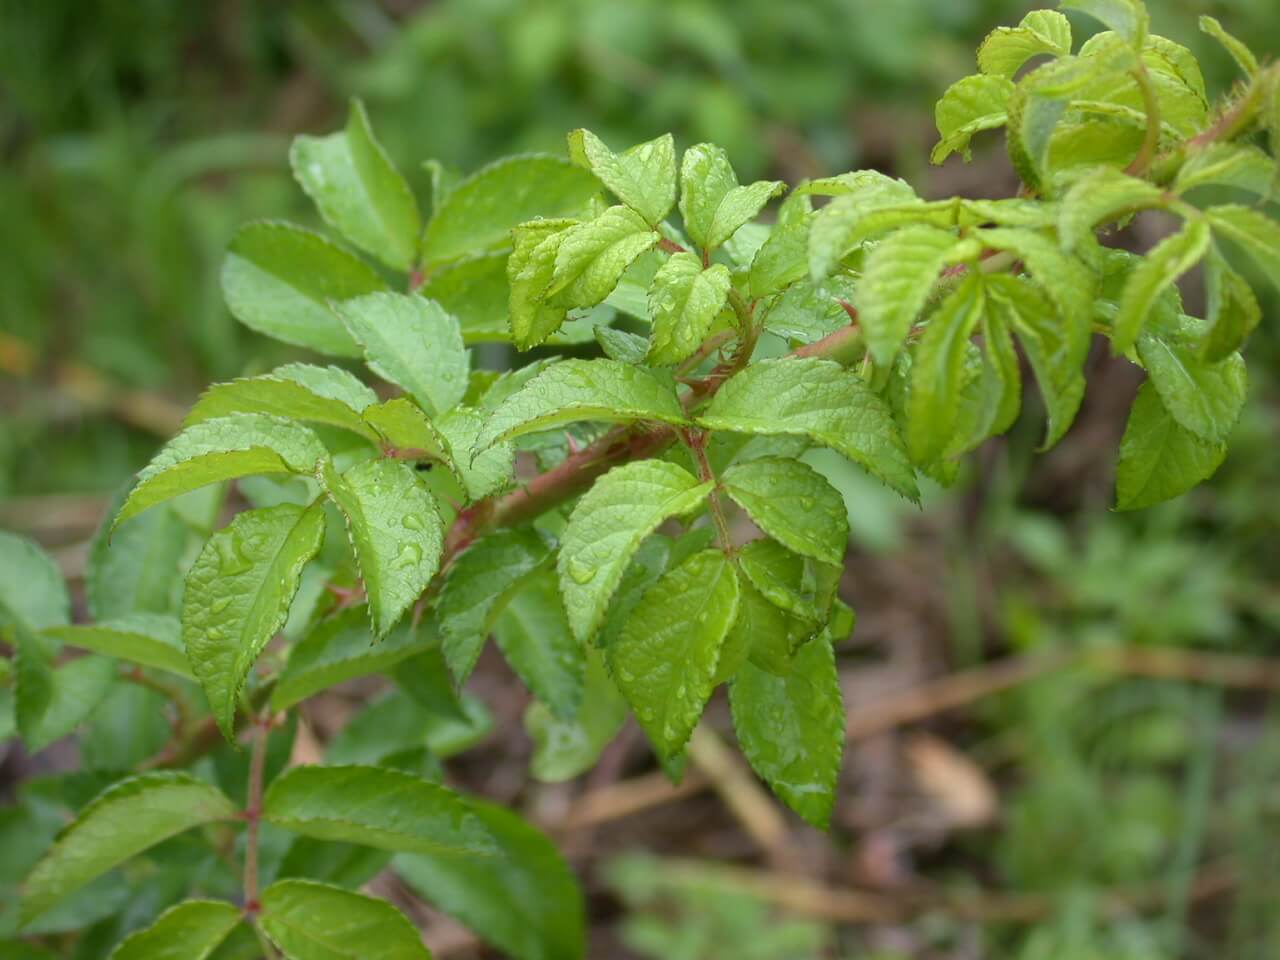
{"x":806,"y":503}
{"x":410,"y":555}
{"x":219,"y":605}
{"x":412,"y":521}
{"x":581,"y":573}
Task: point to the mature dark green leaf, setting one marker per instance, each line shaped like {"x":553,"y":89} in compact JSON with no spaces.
{"x":189,"y":931}
{"x":480,"y":212}
{"x":395,"y":530}
{"x":1203,"y":397}
{"x":223,"y":449}
{"x":800,"y":586}
{"x":52,"y":701}
{"x":316,"y":921}
{"x":1158,"y":458}
{"x":238,"y":594}
{"x":358,"y":190}
{"x":150,"y":639}
{"x":684,"y":301}
{"x":643,"y":177}
{"x":793,"y":503}
{"x":125,"y":819}
{"x":712,"y":203}
{"x":821,"y":400}
{"x":376,"y":807}
{"x":296,"y":391}
{"x":132,"y":570}
{"x":666,"y":657}
{"x":574,"y":390}
{"x":769,"y":634}
{"x":412,"y":342}
{"x":896,"y":282}
{"x":525,"y":901}
{"x":565,"y":748}
{"x":591,"y":257}
{"x":607,"y":527}
{"x":533,"y":633}
{"x":791,"y":728}
{"x":1163,"y":264}
{"x":279,"y":279}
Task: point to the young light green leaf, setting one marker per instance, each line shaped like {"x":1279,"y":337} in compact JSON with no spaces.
{"x":1202,"y":397}
{"x":1006,"y":49}
{"x":1233,"y":310}
{"x":32,"y":591}
{"x":525,"y":901}
{"x":358,"y":190}
{"x":971,"y":105}
{"x":1238,"y":165}
{"x":1069,"y":284}
{"x":477,"y":580}
{"x":480,"y":212}
{"x":1163,"y":264}
{"x":781,"y":260}
{"x":711,"y":202}
{"x":238,"y":594}
{"x":574,"y":390}
{"x":150,"y":639}
{"x":897,"y":279}
{"x":591,"y":257}
{"x":296,"y":391}
{"x":643,"y":177}
{"x":530,"y":269}
{"x":238,"y":445}
{"x":533,"y":633}
{"x":1239,"y":51}
{"x":684,"y":300}
{"x":1256,"y":234}
{"x":316,"y":921}
{"x":821,"y":400}
{"x":791,"y":728}
{"x":122,"y":821}
{"x":377,"y":807}
{"x":1101,"y":197}
{"x":607,"y":527}
{"x":483,"y":473}
{"x":279,"y":279}
{"x":412,"y":342}
{"x":342,"y":648}
{"x":1158,"y":458}
{"x":938,"y":372}
{"x":565,"y":748}
{"x":840,"y":226}
{"x":665,"y":660}
{"x":793,"y":503}
{"x":395,"y":530}
{"x":1128,"y":18}
{"x":401,"y":424}
{"x":189,"y":931}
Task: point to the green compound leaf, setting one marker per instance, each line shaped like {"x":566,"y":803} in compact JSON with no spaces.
{"x":583,"y":390}
{"x":150,"y":639}
{"x":1256,"y":234}
{"x":395,"y":530}
{"x":939,"y":372}
{"x":791,"y":728}
{"x":402,"y":425}
{"x":125,"y":819}
{"x":591,"y":257}
{"x":525,"y":901}
{"x":238,"y":594}
{"x":1163,"y":264}
{"x":666,"y":658}
{"x":316,"y":921}
{"x":480,"y":212}
{"x":642,"y":177}
{"x":1239,"y":52}
{"x":1205,"y":398}
{"x":1102,"y":197}
{"x":1006,"y":49}
{"x":189,"y":931}
{"x":712,"y":203}
{"x":607,"y":527}
{"x":976,"y":103}
{"x":529,"y":270}
{"x":533,"y":633}
{"x":279,"y":279}
{"x":1128,"y":18}
{"x":413,"y":343}
{"x":899,"y":274}
{"x":565,"y":748}
{"x":821,"y":400}
{"x":1159,"y":459}
{"x":793,"y":503}
{"x":1233,"y":310}
{"x":296,"y":391}
{"x":684,"y":300}
{"x":238,"y":445}
{"x":476,"y":583}
{"x":376,"y":807}
{"x":358,"y":191}
{"x":342,"y":648}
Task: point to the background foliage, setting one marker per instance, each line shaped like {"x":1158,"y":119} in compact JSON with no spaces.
{"x":137,"y":137}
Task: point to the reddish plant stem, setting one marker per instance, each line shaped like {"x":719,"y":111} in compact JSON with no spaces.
{"x":253,"y":812}
{"x":696,"y":441}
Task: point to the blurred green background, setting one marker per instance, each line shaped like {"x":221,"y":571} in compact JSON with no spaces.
{"x":137,"y":134}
